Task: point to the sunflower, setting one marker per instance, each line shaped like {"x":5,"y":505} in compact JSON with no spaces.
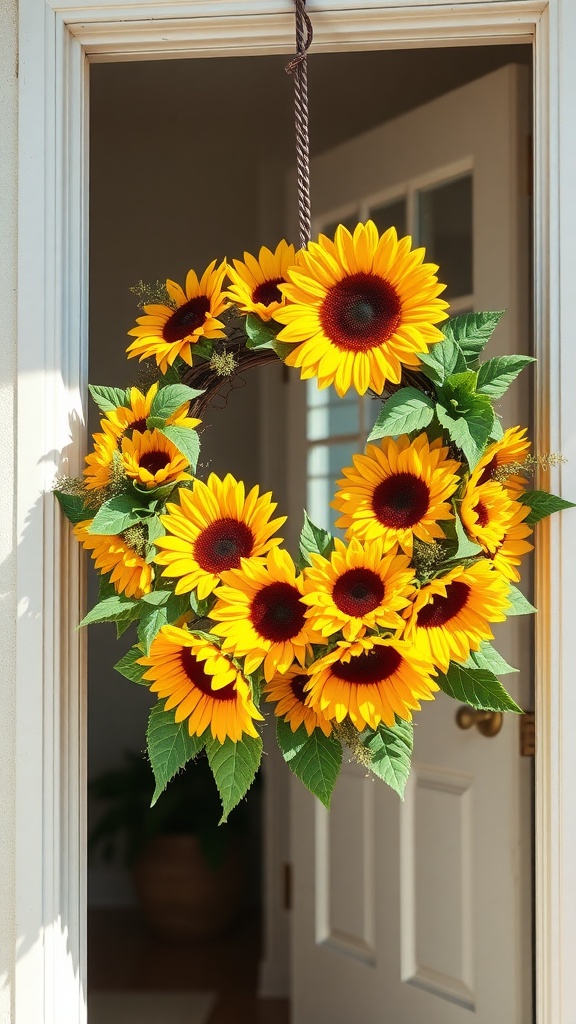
{"x":500,"y":458}
{"x":514,"y":544}
{"x":360,"y":308}
{"x":486,"y":512}
{"x":166,"y":332}
{"x":203,"y":685}
{"x":261,"y":614}
{"x":398,"y":490}
{"x":287,"y":691}
{"x":370,"y":681}
{"x":100,"y":463}
{"x":255,"y":283}
{"x":151,"y":459}
{"x":357,"y":588}
{"x":213,"y":528}
{"x":130,"y":573}
{"x":118,"y":421}
{"x":450,"y":616}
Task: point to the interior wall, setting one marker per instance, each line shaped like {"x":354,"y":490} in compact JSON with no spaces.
{"x":188,"y":163}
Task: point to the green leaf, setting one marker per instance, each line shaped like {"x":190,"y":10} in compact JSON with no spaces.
{"x":407,"y":410}
{"x":128,"y":667}
{"x":234,"y":767}
{"x":117,"y":514}
{"x":489,"y":659}
{"x":155,"y":529}
{"x":520,"y":604}
{"x":543,"y":504}
{"x":497,"y":432}
{"x":108,"y":399}
{"x":466,"y":548}
{"x":316,"y":760}
{"x":472,"y":331}
{"x":186,"y":441}
{"x":151,"y":622}
{"x":203,"y":349}
{"x":496,"y":375}
{"x":169,"y":399}
{"x":157,"y":597}
{"x":390,"y":750}
{"x":73,"y":507}
{"x":126,"y":621}
{"x":443,"y":359}
{"x":170,"y":746}
{"x":111,"y":609}
{"x":477,"y":687}
{"x":201,"y":608}
{"x":260,"y":333}
{"x":314,"y":539}
{"x":171,"y":376}
{"x":470,"y":430}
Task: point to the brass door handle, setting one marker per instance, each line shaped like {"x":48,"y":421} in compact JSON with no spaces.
{"x":488,"y":723}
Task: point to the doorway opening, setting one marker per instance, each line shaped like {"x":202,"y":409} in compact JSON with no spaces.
{"x":191,"y":159}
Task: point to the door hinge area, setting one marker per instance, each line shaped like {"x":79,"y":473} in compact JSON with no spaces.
{"x":528,"y":734}
{"x":287,"y":886}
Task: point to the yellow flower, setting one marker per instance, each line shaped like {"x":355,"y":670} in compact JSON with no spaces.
{"x":255,"y":283}
{"x":130,"y":574}
{"x":358,"y":588}
{"x":450,"y":616}
{"x":201,"y":684}
{"x":165,"y":333}
{"x":512,"y":447}
{"x":288,"y":692}
{"x":370,"y":681}
{"x":100,"y":462}
{"x":118,"y":421}
{"x":152,"y":460}
{"x":261,"y":614}
{"x":213,"y":528}
{"x":397,"y":491}
{"x":360,"y":308}
{"x":486,"y":513}
{"x":514,"y":544}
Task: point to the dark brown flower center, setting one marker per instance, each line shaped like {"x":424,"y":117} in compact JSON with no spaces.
{"x":186,"y":319}
{"x":488,"y":471}
{"x":194,"y":669}
{"x":361,"y":312}
{"x":154,"y":461}
{"x":139,"y":425}
{"x":277,"y":613}
{"x":442,"y":610}
{"x":373,"y":666}
{"x":297,"y":684}
{"x":222,"y":544}
{"x":358,"y":591}
{"x":482,"y":513}
{"x":268,"y":292}
{"x":401,"y":501}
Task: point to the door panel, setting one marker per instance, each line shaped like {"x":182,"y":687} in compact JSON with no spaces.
{"x":420,"y":912}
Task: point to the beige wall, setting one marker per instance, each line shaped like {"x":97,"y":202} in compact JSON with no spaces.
{"x":8,"y":254}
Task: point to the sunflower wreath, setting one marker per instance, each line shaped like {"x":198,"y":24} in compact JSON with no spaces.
{"x":346,"y":641}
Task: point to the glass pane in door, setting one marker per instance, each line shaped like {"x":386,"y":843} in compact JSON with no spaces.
{"x":445,"y":230}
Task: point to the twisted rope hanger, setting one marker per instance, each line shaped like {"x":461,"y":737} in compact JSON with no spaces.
{"x":298,"y":67}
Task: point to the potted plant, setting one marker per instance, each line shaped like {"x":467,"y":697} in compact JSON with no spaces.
{"x":187,"y":871}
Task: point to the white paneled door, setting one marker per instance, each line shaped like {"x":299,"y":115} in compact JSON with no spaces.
{"x":421,"y":912}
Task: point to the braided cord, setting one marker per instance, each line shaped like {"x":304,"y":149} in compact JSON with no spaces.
{"x":299,"y":69}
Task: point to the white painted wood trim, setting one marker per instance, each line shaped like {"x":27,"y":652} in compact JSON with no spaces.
{"x":54,"y":41}
{"x":52,"y":358}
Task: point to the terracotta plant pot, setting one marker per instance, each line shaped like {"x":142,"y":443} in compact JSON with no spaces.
{"x":181,"y":894}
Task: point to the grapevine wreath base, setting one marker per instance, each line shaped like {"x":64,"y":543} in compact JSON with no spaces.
{"x":346,"y":641}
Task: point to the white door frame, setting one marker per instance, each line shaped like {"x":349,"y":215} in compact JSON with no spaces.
{"x":57,"y":39}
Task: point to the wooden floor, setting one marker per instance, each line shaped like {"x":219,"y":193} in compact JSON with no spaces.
{"x":123,"y":954}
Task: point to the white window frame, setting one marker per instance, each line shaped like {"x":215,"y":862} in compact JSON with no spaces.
{"x":57,"y":40}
